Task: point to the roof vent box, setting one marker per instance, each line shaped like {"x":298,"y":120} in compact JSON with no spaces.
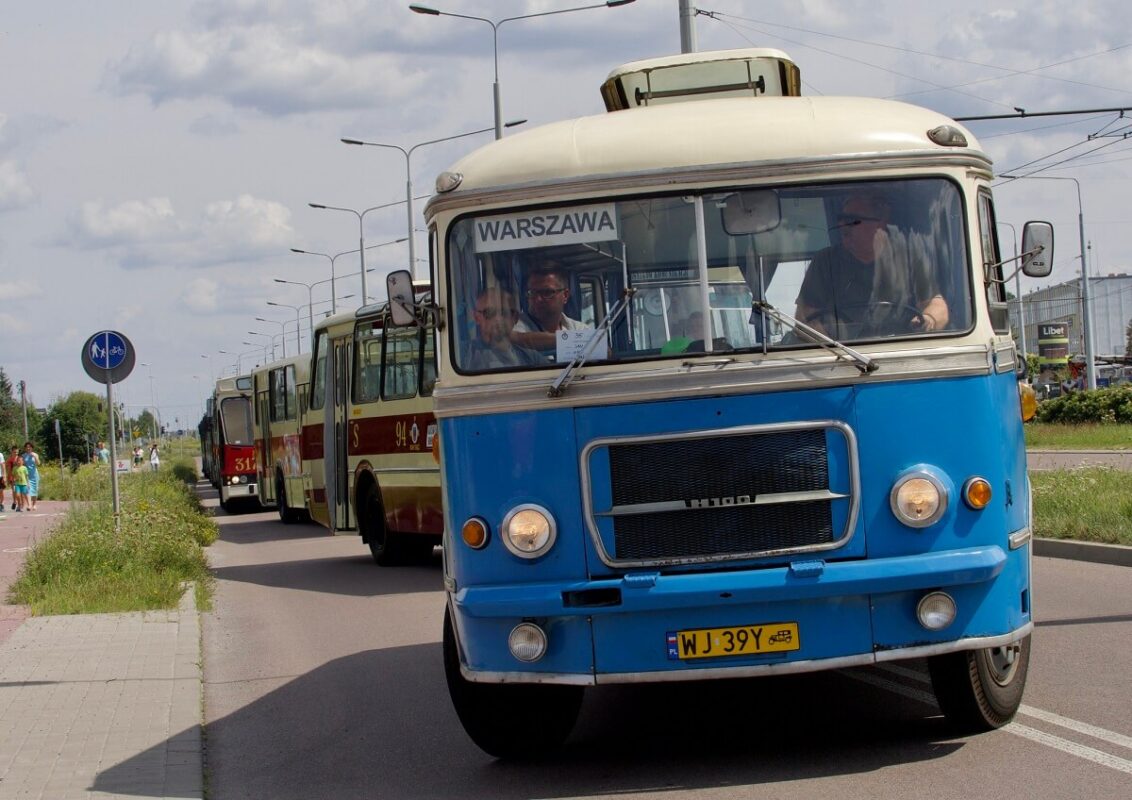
{"x":749,"y":72}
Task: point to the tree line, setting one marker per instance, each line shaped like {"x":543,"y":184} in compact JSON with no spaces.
{"x":82,"y":423}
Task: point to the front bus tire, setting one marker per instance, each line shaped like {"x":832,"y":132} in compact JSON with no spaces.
{"x":287,"y":515}
{"x":517,"y":721}
{"x":980,"y":690}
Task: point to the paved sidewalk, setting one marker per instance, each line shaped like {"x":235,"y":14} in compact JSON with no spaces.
{"x":95,"y":705}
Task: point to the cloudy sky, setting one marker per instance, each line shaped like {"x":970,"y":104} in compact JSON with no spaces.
{"x":157,"y":159}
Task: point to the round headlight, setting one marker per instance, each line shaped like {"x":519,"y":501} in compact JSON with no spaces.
{"x":936,"y":611}
{"x":527,"y":642}
{"x":528,"y":531}
{"x":918,"y":499}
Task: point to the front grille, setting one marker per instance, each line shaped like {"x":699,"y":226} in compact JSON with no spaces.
{"x":688,"y":498}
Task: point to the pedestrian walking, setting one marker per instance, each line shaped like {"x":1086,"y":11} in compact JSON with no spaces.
{"x":20,"y":485}
{"x":10,"y":464}
{"x":154,"y":458}
{"x":31,"y":461}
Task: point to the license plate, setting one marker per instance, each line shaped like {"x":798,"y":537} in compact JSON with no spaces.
{"x":742,"y":640}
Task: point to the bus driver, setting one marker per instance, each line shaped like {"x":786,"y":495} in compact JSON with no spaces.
{"x":877,"y":282}
{"x":547,"y":295}
{"x":495,"y":315}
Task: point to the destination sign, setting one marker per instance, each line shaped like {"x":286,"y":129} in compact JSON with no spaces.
{"x":575,"y":225}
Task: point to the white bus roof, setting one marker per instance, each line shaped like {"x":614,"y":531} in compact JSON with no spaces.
{"x":724,"y":132}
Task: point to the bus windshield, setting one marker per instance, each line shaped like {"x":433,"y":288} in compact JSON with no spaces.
{"x":236,"y":415}
{"x":861,"y":261}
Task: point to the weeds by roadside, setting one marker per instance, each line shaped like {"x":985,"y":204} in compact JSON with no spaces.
{"x":85,"y":566}
{"x":1089,"y":505}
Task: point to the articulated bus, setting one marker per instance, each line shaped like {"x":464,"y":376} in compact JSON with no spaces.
{"x":280,"y":391}
{"x":824,"y":468}
{"x":368,"y":434}
{"x":229,"y":427}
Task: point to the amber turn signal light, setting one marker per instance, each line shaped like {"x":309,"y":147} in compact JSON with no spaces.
{"x":977,"y":493}
{"x":474,"y":533}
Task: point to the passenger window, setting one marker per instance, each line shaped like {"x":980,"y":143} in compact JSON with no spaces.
{"x":402,"y":357}
{"x":318,"y":378}
{"x":367,"y":368}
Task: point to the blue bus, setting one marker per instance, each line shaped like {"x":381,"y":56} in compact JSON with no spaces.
{"x":726,"y":388}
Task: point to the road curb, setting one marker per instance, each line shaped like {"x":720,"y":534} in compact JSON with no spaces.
{"x":1115,"y":554}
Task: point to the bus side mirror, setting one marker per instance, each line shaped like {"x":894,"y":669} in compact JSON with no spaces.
{"x":753,"y":211}
{"x":1037,"y":249}
{"x":399,"y":286}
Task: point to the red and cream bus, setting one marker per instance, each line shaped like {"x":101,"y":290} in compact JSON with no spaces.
{"x":369,"y":434}
{"x":280,"y":395}
{"x":233,"y":454}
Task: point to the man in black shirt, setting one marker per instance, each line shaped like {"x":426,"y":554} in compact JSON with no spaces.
{"x":878,"y":282}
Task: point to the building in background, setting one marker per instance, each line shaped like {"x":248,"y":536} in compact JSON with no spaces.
{"x":1060,"y":304}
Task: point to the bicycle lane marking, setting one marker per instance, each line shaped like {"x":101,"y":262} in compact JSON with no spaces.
{"x":1024,"y":731}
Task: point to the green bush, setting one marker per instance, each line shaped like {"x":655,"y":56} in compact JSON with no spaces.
{"x":86,"y":566}
{"x":1102,"y":406}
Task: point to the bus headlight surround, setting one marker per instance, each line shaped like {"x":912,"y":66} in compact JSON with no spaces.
{"x":528,"y":531}
{"x":918,"y":498}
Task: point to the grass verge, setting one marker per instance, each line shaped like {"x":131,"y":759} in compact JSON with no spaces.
{"x":86,"y":566}
{"x":1089,"y":505}
{"x":1083,"y":436}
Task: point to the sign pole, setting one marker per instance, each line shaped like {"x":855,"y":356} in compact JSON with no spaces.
{"x":113,"y":456}
{"x":111,"y":362}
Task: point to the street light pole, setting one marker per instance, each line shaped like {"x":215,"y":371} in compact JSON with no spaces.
{"x":497,"y":104}
{"x":281,"y":330}
{"x":298,"y":339}
{"x":408,"y":154}
{"x":310,"y":301}
{"x":332,"y":259}
{"x":1086,"y":314}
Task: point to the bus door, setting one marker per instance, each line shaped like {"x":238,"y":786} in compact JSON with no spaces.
{"x":335,"y":436}
{"x":263,"y":442}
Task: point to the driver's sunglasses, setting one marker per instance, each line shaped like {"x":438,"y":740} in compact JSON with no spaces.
{"x":543,"y":294}
{"x":852,"y":220}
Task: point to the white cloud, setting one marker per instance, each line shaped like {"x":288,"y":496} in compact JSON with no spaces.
{"x":148,"y":233}
{"x":19,"y":290}
{"x":15,"y":188}
{"x":200,"y":296}
{"x":262,"y":66}
{"x":130,"y":222}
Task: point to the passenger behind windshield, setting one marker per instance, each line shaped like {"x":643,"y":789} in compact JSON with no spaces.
{"x":495,"y":314}
{"x":548,"y":291}
{"x":877,"y":282}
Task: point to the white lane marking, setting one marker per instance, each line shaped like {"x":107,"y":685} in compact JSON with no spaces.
{"x":1105,"y":735}
{"x":16,"y":549}
{"x":1080,"y":727}
{"x":1024,"y":731}
{"x":1072,"y":748}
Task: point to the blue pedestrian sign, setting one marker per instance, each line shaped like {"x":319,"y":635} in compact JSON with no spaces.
{"x":107,"y":349}
{"x":108,"y":357}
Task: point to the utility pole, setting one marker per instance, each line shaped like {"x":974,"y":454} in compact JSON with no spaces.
{"x":24,"y":406}
{"x":687,"y":26}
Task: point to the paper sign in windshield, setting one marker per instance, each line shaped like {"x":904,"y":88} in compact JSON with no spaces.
{"x":593,"y":223}
{"x":571,"y":344}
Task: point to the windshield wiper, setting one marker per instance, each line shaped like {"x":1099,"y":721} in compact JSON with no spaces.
{"x":558,"y":388}
{"x":843,"y":352}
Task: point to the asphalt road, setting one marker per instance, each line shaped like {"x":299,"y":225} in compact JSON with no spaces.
{"x":323,"y":678}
